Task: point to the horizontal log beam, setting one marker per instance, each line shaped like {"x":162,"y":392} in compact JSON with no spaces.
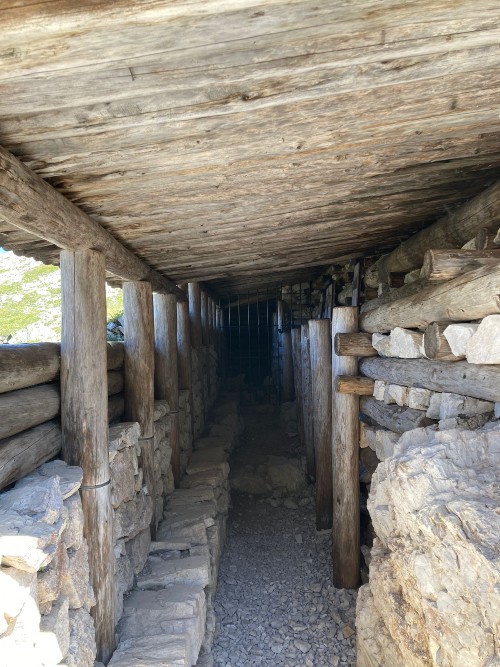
{"x":30,"y":203}
{"x":354,"y":345}
{"x":470,"y":296}
{"x":360,"y":386}
{"x":457,"y":377}
{"x":451,"y":231}
{"x":393,"y":417}
{"x":24,"y":366}
{"x":447,"y":264}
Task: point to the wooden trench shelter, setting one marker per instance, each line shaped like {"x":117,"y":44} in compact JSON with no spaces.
{"x":197,"y":153}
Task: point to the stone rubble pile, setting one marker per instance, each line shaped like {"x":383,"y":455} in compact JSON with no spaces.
{"x":169,"y":619}
{"x":45,"y":590}
{"x":433,"y":598}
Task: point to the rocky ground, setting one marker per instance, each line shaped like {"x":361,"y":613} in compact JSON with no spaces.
{"x":275,"y":604}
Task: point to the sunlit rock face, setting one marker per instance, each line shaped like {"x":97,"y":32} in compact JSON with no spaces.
{"x":435,"y":567}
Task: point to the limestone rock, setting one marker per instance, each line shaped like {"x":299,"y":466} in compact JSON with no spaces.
{"x":446,"y":405}
{"x":76,"y":581}
{"x":379,"y":390}
{"x":50,"y":579}
{"x":395,"y":393}
{"x":82,"y":648}
{"x":124,"y":435}
{"x":406,"y":344}
{"x":382,"y":344}
{"x":484,"y":345}
{"x":69,"y":477}
{"x":132,"y":517}
{"x":249,"y":481}
{"x":418,"y":398}
{"x":123,"y":468}
{"x":138,"y":549}
{"x":160,"y":573}
{"x":72,"y":536}
{"x":17,"y":590}
{"x":52,"y":644}
{"x":434,"y":570}
{"x":160,"y":651}
{"x":458,"y":336}
{"x":36,"y":497}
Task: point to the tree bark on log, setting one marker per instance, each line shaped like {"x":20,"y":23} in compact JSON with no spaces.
{"x":84,"y":422}
{"x":297,"y":381}
{"x":139,"y":377}
{"x":27,"y":365}
{"x":32,"y":204}
{"x":457,"y":377}
{"x":442,"y":265}
{"x":25,"y":408}
{"x":354,"y":345}
{"x":393,"y":417}
{"x":451,"y":231}
{"x":360,"y":386}
{"x":22,"y":453}
{"x":320,"y":346}
{"x":416,"y":287}
{"x":345,"y":444}
{"x":166,"y":371}
{"x":471,"y":296}
{"x":306,"y":400}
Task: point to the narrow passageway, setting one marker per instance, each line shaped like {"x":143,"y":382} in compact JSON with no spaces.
{"x":275,"y":604}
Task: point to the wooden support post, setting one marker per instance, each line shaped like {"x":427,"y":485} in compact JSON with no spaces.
{"x":297,"y":376}
{"x":345,"y":443}
{"x":195,"y":314}
{"x":321,"y":391}
{"x":184,"y":353}
{"x":139,"y":377}
{"x":307,"y":400}
{"x":84,"y":422}
{"x":287,"y":372}
{"x":205,"y":326}
{"x":166,"y":374}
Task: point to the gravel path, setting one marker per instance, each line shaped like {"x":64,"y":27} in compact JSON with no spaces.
{"x":275,"y":604}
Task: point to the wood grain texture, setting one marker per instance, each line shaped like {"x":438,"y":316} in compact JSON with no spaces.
{"x":345,"y":446}
{"x":185,"y":128}
{"x":195,"y":327}
{"x":436,"y":346}
{"x":166,"y":371}
{"x":139,"y":375}
{"x":447,"y":264}
{"x":320,"y":346}
{"x":354,"y":345}
{"x":84,"y":422}
{"x":360,"y":386}
{"x":307,"y":400}
{"x":24,"y":408}
{"x":184,"y":346}
{"x":458,"y":377}
{"x":393,"y":417}
{"x":287,"y":393}
{"x":470,"y":296}
{"x":297,"y":381}
{"x":22,"y":453}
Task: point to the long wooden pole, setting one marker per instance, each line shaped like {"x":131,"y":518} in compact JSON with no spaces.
{"x":166,"y":372}
{"x":139,"y":377}
{"x":184,"y":364}
{"x":84,"y":422}
{"x":321,"y":391}
{"x":28,"y":202}
{"x":306,"y":400}
{"x":195,"y":314}
{"x":297,"y":377}
{"x":345,"y":444}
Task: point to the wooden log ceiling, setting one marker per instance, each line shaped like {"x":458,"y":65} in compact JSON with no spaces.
{"x":246,"y":144}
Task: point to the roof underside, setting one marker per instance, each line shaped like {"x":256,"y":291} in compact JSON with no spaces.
{"x":250,"y":144}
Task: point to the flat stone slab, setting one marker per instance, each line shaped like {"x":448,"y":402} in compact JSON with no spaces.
{"x":210,"y":477}
{"x":182,"y":517}
{"x":197,"y":464}
{"x":195,"y":533}
{"x":213,"y":442}
{"x":159,"y":573}
{"x":195,"y":494}
{"x":160,"y":651}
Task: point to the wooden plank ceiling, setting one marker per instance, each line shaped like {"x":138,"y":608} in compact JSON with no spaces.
{"x":244,"y":144}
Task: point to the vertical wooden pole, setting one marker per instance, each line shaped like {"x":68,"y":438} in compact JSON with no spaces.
{"x":345,"y":445}
{"x":205,"y":353}
{"x":84,"y":421}
{"x":184,"y":353}
{"x":306,"y":400}
{"x":204,"y":318}
{"x":195,"y":314}
{"x":321,"y":392}
{"x":297,"y":376}
{"x":285,"y":349}
{"x":139,"y":377}
{"x":166,"y":374}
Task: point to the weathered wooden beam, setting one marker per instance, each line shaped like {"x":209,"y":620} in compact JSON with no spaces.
{"x":393,"y":417}
{"x":435,"y":344}
{"x":139,"y":377}
{"x":165,"y":371}
{"x":307,"y":399}
{"x":345,"y":445}
{"x":22,"y":453}
{"x":25,"y":408}
{"x":347,"y":384}
{"x":458,"y":377}
{"x":354,"y":345}
{"x":204,"y":318}
{"x":320,"y":346}
{"x":451,"y":231}
{"x":447,"y":264}
{"x":195,"y":327}
{"x":470,"y":296}
{"x":297,"y":381}
{"x":184,"y":347}
{"x":28,"y":202}
{"x":84,"y":422}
